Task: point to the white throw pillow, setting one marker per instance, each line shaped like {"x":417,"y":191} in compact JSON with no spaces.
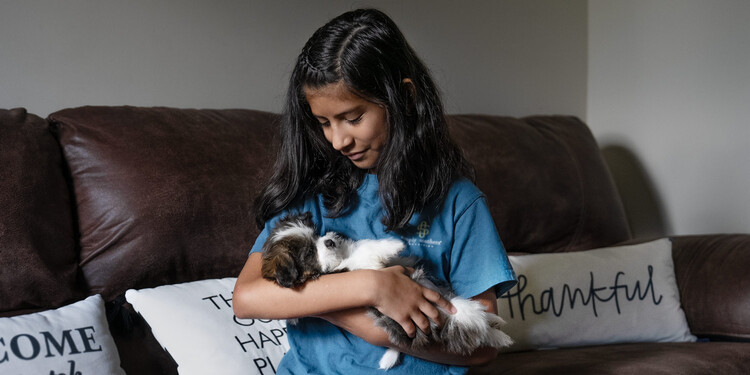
{"x":195,"y":323}
{"x":605,"y":296}
{"x":72,"y":339}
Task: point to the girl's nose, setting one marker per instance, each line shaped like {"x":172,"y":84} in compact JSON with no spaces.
{"x":340,"y":138}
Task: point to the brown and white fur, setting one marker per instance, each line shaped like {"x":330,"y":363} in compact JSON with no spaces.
{"x":294,"y":254}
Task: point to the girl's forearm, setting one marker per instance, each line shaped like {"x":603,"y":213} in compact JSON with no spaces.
{"x":437,"y":354}
{"x":256,"y":297}
{"x":359,"y":323}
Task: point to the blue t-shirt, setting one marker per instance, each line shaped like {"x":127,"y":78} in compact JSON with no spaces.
{"x":456,"y":243}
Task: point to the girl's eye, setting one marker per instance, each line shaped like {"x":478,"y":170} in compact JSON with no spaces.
{"x":356,"y":120}
{"x":325,"y":124}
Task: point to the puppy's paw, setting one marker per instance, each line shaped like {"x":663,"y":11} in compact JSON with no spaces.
{"x":498,"y":339}
{"x":389,"y":359}
{"x":394,"y":246}
{"x":495,"y":337}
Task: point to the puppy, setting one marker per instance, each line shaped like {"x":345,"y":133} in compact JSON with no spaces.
{"x":294,"y":254}
{"x":290,"y":254}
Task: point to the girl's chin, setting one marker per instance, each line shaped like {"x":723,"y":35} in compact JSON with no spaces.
{"x":364,"y":165}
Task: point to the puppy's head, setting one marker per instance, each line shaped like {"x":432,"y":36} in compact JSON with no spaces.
{"x":289,"y":254}
{"x":332,"y":248}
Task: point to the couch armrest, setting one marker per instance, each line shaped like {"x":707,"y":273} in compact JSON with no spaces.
{"x":714,"y":282}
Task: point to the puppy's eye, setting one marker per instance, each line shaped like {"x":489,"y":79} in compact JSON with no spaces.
{"x":330,"y":243}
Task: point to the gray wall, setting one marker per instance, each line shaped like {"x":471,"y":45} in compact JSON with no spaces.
{"x":498,"y":57}
{"x":670,"y":80}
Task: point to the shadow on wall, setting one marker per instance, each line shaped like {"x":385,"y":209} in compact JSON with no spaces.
{"x":643,"y":206}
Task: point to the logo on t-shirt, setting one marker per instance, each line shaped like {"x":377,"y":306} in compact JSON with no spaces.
{"x":423,"y":230}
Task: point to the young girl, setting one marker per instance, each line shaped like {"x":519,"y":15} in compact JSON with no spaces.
{"x":365,"y":149}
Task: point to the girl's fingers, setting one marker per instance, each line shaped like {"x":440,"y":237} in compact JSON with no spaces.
{"x":431,"y":312}
{"x":410,"y":304}
{"x":422,"y":322}
{"x":437,"y":299}
{"x":408,"y":327}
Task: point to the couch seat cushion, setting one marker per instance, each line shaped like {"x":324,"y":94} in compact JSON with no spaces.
{"x":652,"y":358}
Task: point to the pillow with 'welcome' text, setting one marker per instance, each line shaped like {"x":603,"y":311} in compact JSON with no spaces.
{"x":195,"y":323}
{"x":72,"y":339}
{"x":604,"y":296}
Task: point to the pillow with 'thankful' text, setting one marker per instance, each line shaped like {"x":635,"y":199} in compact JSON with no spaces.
{"x":605,"y":296}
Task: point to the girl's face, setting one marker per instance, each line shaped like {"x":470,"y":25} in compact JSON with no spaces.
{"x":354,"y":126}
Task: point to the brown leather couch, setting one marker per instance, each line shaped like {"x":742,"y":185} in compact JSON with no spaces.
{"x":103,"y":199}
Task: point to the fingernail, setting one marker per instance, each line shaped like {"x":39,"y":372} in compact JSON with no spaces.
{"x":453,"y":310}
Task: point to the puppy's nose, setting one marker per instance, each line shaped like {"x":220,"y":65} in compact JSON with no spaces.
{"x":330,"y":243}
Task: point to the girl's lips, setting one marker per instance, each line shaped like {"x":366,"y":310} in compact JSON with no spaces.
{"x":354,"y":156}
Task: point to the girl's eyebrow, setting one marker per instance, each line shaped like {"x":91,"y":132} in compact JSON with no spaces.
{"x":357,"y":108}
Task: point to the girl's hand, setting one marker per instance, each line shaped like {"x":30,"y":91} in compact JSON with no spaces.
{"x":407,"y":302}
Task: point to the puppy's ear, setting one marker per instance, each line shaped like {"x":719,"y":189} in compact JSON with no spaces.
{"x":279,"y":265}
{"x":288,"y":277}
{"x":308,"y":262}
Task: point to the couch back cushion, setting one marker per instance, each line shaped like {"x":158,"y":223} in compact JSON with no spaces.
{"x":546,"y":182}
{"x":38,"y":261}
{"x":164,"y":195}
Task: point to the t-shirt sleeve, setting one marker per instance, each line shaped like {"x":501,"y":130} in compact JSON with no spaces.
{"x":478,"y":258}
{"x":263,"y":236}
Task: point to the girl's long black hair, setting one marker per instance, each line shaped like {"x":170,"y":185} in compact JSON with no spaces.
{"x":366,"y":51}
